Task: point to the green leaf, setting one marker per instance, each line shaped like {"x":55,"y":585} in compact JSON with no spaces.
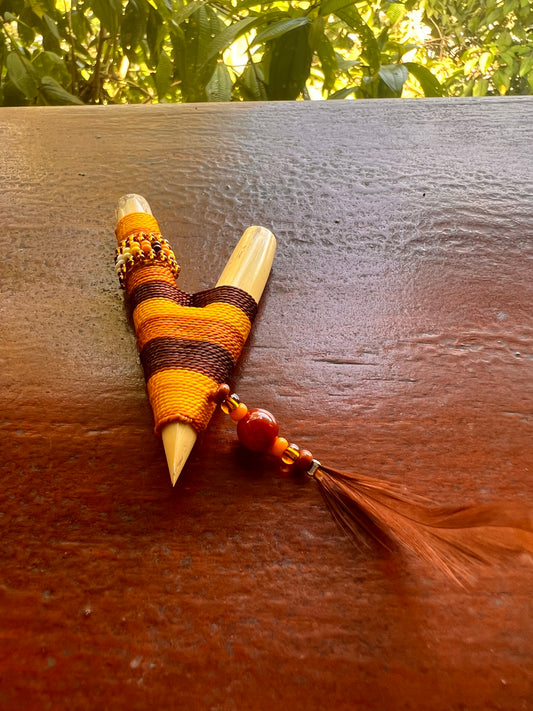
{"x":133,"y":27}
{"x":328,"y":60}
{"x":38,"y":7}
{"x":179,"y":52}
{"x":502,"y":81}
{"x":316,"y":33}
{"x":394,"y":76}
{"x":22,"y":74}
{"x":330,"y":7}
{"x":396,"y":12}
{"x":470,"y":64}
{"x":252,"y":83}
{"x":345,"y":64}
{"x":344,"y":93}
{"x":289,"y":57}
{"x":109,"y":13}
{"x":485,"y":61}
{"x":51,"y":64}
{"x":165,"y":7}
{"x":199,"y":31}
{"x":55,"y":94}
{"x":383,"y":38}
{"x":480,"y":87}
{"x":163,"y":75}
{"x":154,"y":26}
{"x":26,"y":28}
{"x":507,"y":57}
{"x":508,"y":6}
{"x":245,"y":5}
{"x":227,"y":37}
{"x":82,"y":27}
{"x":220,"y":85}
{"x":370,"y":48}
{"x":186,"y":11}
{"x":280,"y":28}
{"x":525,"y":65}
{"x":428,"y":81}
{"x":11,"y":96}
{"x":51,"y":27}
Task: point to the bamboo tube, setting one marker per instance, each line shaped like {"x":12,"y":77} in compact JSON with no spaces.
{"x":248,"y":269}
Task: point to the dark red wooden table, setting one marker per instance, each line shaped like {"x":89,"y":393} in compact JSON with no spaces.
{"x":394,"y":338}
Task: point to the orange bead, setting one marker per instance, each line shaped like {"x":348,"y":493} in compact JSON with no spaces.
{"x":239,"y":412}
{"x":257,"y":430}
{"x":146,"y":246}
{"x":279,"y":447}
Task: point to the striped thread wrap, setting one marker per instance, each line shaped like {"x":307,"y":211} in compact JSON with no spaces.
{"x":188,"y":343}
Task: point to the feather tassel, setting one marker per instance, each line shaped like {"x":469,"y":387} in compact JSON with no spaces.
{"x":454,"y":540}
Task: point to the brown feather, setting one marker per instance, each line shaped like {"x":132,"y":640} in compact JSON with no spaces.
{"x":455,"y":540}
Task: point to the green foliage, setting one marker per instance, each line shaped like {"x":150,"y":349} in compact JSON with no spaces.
{"x":482,"y":47}
{"x":116,"y":51}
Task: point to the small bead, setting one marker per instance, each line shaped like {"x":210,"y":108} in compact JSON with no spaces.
{"x":156,"y":246}
{"x":239,"y":412}
{"x":146,"y":246}
{"x":279,"y":447}
{"x":230,"y":404}
{"x":223,"y":392}
{"x":304,"y":461}
{"x":258,"y":430}
{"x":291,"y":454}
{"x":135,"y":248}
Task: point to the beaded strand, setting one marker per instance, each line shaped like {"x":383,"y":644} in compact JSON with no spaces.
{"x":258,"y":431}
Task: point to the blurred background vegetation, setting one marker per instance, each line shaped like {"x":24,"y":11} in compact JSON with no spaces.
{"x":148,"y":51}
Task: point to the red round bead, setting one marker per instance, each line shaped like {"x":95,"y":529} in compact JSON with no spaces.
{"x":257,"y":430}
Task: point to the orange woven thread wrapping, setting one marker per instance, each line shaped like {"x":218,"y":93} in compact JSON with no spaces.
{"x":188,"y":343}
{"x":219,"y":323}
{"x":147,"y":273}
{"x":135,"y":222}
{"x":180,"y":395}
{"x":187,"y":352}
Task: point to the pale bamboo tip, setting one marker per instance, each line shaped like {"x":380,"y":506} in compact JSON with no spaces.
{"x":178,"y":441}
{"x":131,"y":203}
{"x":249,"y":266}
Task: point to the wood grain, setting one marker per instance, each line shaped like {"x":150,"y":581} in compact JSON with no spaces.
{"x":394,"y":338}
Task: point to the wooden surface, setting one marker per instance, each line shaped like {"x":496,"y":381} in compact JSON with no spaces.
{"x":394,"y":338}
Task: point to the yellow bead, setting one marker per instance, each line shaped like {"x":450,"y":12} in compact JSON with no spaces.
{"x":231,"y":403}
{"x":291,"y":454}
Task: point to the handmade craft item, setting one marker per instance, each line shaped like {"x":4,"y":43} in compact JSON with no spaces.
{"x":189,"y":344}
